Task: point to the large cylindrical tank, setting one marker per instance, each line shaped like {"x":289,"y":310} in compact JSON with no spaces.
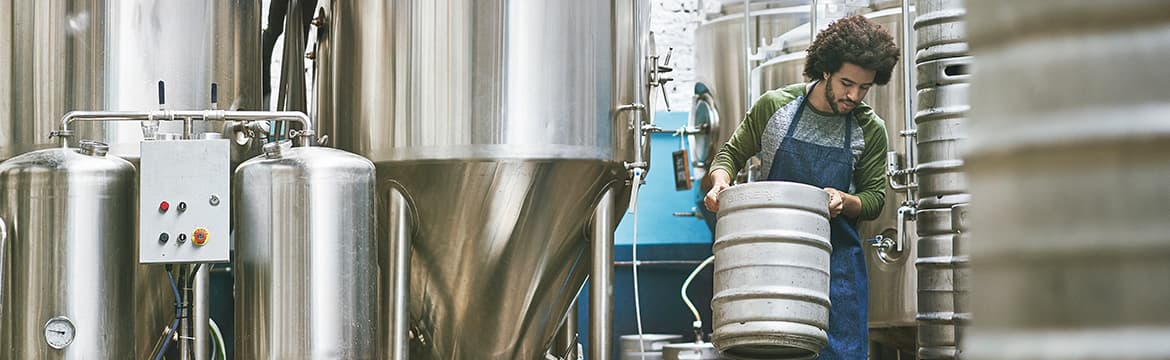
{"x":720,"y":56}
{"x":305,"y":262}
{"x":64,"y":55}
{"x":771,"y":285}
{"x":69,"y":259}
{"x":497,"y":120}
{"x":1068,"y":169}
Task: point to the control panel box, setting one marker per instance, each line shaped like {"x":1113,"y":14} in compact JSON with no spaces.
{"x":184,"y":199}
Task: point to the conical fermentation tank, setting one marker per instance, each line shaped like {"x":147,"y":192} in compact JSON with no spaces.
{"x":69,"y":258}
{"x":494,"y":124}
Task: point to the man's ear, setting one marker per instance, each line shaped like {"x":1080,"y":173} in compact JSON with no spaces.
{"x":827,"y":75}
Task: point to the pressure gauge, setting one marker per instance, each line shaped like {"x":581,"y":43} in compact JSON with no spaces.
{"x":59,"y":332}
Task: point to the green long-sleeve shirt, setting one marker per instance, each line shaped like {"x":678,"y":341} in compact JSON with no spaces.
{"x":869,"y":177}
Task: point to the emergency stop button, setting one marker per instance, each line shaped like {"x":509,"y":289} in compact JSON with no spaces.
{"x":200,"y":236}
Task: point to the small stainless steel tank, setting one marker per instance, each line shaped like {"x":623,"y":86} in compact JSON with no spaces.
{"x":690,"y":351}
{"x":631,"y":348}
{"x":69,"y":258}
{"x":771,"y":271}
{"x":306,"y":272}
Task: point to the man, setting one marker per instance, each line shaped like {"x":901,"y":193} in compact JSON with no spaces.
{"x":821,"y":134}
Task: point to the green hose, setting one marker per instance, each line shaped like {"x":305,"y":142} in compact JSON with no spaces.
{"x":218,"y":337}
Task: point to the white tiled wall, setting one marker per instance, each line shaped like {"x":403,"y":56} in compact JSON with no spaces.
{"x":673,"y":23}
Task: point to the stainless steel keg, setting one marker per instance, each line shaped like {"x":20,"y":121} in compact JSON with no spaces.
{"x":771,"y":281}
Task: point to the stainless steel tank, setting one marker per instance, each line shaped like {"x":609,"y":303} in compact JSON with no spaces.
{"x":690,"y":351}
{"x":631,"y":347}
{"x":771,"y":285}
{"x":305,"y":261}
{"x":1068,"y":167}
{"x":70,"y":255}
{"x":720,"y":55}
{"x":62,"y":55}
{"x":496,"y":121}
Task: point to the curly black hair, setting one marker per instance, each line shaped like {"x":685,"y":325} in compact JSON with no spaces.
{"x":854,"y":40}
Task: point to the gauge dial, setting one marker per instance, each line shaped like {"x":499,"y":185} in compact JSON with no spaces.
{"x":59,"y":332}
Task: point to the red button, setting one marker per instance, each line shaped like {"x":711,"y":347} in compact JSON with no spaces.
{"x":164,"y":206}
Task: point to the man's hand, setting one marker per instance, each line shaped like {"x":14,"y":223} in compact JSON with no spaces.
{"x":843,"y":202}
{"x":719,"y":181}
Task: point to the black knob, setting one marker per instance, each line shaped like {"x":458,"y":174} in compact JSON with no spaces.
{"x":182,"y":238}
{"x":163,"y":238}
{"x":162,"y":93}
{"x":182,"y":206}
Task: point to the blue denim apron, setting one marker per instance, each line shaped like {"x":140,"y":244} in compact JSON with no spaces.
{"x":830,"y":166}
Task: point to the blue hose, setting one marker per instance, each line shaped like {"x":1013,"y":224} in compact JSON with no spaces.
{"x":175,"y":324}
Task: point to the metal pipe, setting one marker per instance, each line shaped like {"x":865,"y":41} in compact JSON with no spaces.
{"x":200,"y":313}
{"x":747,"y":55}
{"x":601,"y":279}
{"x":659,"y":263}
{"x":908,"y":95}
{"x":398,"y":291}
{"x":304,"y":136}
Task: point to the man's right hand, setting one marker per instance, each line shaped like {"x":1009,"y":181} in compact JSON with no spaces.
{"x":720,"y":180}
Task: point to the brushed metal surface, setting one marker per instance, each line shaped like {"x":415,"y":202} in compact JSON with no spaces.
{"x":720,"y":55}
{"x":936,"y":330}
{"x":690,"y":351}
{"x":943,"y":104}
{"x":70,"y":252}
{"x":962,"y":276}
{"x":631,"y":347}
{"x":771,"y":285}
{"x":1068,"y":218}
{"x":941,"y":30}
{"x":305,"y":262}
{"x":498,"y":252}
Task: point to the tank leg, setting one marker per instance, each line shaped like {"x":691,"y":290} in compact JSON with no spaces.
{"x":565,"y":343}
{"x":601,"y":280}
{"x":396,"y":292}
{"x":193,"y":334}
